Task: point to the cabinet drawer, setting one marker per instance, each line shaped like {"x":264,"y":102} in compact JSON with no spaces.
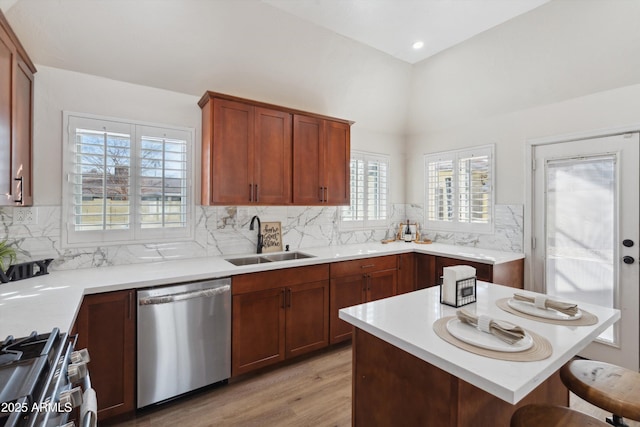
{"x":357,"y":266}
{"x":277,"y":278}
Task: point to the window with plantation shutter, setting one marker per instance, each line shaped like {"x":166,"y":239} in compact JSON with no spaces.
{"x":369,"y":192}
{"x":459,"y":190}
{"x":125,"y":181}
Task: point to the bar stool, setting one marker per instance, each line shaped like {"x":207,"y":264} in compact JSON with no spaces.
{"x":610,"y":387}
{"x":536,"y":415}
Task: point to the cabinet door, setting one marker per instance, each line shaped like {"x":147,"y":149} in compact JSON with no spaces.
{"x":258,"y":330}
{"x":307,"y":317}
{"x":337,"y":168}
{"x":308,"y":160}
{"x":426,"y":271}
{"x":232,"y":153}
{"x":345,"y":292}
{"x":272,"y":157}
{"x":406,"y":273}
{"x":106,"y":327}
{"x":7,"y":53}
{"x":22,"y":136}
{"x":381,"y":284}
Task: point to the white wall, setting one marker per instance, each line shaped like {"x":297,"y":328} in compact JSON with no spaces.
{"x":565,"y":67}
{"x":57,"y":90}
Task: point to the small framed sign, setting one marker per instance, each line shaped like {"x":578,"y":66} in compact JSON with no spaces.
{"x":271,"y":236}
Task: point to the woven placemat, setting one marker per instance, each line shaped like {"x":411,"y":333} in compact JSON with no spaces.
{"x":540,"y":350}
{"x":586,"y":319}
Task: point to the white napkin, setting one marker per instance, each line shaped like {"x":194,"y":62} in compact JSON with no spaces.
{"x":541,"y":301}
{"x":507,"y":332}
{"x":450,"y":276}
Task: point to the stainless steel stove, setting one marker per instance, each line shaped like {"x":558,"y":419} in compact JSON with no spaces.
{"x":45,"y":383}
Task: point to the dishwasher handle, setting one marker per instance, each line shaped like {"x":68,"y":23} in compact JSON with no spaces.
{"x":181,"y":296}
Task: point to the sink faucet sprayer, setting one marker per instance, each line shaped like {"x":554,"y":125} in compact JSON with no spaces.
{"x":255,"y":217}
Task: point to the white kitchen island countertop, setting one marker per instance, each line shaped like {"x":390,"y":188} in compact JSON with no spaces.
{"x":405,"y":321}
{"x":53,"y":300}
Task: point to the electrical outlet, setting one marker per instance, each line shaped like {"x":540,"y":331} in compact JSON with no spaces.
{"x":25,"y":216}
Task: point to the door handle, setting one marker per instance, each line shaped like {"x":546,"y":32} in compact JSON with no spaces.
{"x":284,"y":297}
{"x":251,"y":192}
{"x":326,"y":194}
{"x":628,"y":259}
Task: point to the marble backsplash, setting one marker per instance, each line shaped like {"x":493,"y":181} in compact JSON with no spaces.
{"x":224,"y":230}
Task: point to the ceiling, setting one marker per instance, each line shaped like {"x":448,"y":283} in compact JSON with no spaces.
{"x":392,"y":26}
{"x":189,"y":46}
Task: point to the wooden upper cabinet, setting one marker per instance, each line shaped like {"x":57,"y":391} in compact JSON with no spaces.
{"x":257,"y":153}
{"x":272,"y":157}
{"x":16,"y":119}
{"x":232,"y":153}
{"x":337,"y":158}
{"x":308,"y":160}
{"x":7,"y":53}
{"x":321,"y":155}
{"x":247,"y":159}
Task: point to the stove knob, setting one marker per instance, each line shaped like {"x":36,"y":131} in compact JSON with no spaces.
{"x":76,"y":372}
{"x":70,"y":399}
{"x":80,"y":356}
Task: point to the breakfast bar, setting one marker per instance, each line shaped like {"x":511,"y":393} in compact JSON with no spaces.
{"x":404,"y":373}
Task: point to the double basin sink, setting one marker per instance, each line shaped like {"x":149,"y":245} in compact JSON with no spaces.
{"x":261,"y":259}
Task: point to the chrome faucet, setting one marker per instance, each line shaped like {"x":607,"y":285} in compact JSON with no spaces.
{"x":255,"y":217}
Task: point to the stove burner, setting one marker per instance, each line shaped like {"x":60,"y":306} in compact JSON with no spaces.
{"x":13,"y":350}
{"x":10,"y":357}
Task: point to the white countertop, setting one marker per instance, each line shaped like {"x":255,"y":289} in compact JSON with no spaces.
{"x":43,"y":302}
{"x":406,"y":322}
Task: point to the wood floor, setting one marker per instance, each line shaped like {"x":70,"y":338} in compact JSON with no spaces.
{"x":315,"y":391}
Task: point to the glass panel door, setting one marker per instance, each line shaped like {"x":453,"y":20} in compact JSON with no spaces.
{"x":580,"y":253}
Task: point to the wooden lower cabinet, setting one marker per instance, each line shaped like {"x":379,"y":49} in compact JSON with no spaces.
{"x":507,"y":274}
{"x":425,"y":271}
{"x":394,"y":388}
{"x":106,"y":326}
{"x":356,"y":282}
{"x":258,"y":330}
{"x":277,"y":315}
{"x":407,"y":273}
{"x":307,"y":319}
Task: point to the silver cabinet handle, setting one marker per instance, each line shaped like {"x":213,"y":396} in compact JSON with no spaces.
{"x":165,"y":299}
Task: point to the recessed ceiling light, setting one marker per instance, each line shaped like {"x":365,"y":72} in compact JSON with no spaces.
{"x":417,"y":44}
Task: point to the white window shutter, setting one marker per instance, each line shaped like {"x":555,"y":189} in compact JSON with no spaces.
{"x":126,"y":181}
{"x":459,"y":192}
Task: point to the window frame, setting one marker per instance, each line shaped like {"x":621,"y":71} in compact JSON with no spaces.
{"x":135,"y":234}
{"x":456,"y":156}
{"x":346,"y":224}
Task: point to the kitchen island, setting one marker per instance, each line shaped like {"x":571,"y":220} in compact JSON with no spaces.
{"x":405,"y":374}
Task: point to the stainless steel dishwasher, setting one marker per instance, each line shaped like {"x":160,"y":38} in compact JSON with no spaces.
{"x":184,"y":338}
